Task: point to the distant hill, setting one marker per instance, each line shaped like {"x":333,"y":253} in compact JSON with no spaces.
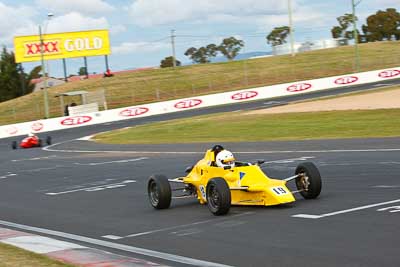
{"x":239,"y":57}
{"x":243,"y":56}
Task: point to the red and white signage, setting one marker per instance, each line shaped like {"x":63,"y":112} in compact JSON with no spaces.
{"x":244,"y":95}
{"x":77,"y":120}
{"x":389,"y":73}
{"x":299,"y":87}
{"x":50,"y":47}
{"x":188,"y":103}
{"x":12,"y":130}
{"x":132,"y":112}
{"x":346,"y":80}
{"x":37,"y":126}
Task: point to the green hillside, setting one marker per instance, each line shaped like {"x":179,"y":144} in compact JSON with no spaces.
{"x":162,"y":84}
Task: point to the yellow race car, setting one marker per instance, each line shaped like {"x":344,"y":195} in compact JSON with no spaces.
{"x":220,"y":181}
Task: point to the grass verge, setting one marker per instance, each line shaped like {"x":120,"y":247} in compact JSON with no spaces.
{"x":237,"y":127}
{"x":11,"y":256}
{"x":136,"y":88}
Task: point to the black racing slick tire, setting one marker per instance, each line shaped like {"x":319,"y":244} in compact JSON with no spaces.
{"x":48,"y":140}
{"x":14,"y":145}
{"x":40,"y":143}
{"x":218,"y":196}
{"x":309,"y":180}
{"x":159,"y":191}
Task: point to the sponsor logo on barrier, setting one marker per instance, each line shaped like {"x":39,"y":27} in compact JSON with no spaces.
{"x":12,"y":130}
{"x":78,"y":120}
{"x":389,"y":73}
{"x":244,"y":95}
{"x":189,"y":103}
{"x":299,"y":87}
{"x":37,"y":126}
{"x":346,"y":80}
{"x":131,"y":112}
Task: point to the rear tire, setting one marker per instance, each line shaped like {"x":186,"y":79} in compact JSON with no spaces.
{"x":14,"y":145}
{"x":159,"y":191}
{"x":40,"y":143}
{"x":218,"y":196}
{"x":309,"y":180}
{"x":48,"y":140}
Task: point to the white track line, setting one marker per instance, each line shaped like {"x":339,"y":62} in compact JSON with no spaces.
{"x":108,"y":244}
{"x":311,"y":216}
{"x":184,"y":225}
{"x":94,"y":188}
{"x":110,"y":162}
{"x":50,"y":149}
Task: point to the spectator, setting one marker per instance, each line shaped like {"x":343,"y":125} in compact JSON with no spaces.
{"x":108,"y":73}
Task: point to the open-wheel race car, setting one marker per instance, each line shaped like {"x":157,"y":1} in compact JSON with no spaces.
{"x":31,"y":141}
{"x":221,"y":182}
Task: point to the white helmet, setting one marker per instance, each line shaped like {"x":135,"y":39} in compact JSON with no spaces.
{"x":30,"y":134}
{"x":225,"y":158}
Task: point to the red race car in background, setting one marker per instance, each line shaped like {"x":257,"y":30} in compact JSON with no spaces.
{"x":31,"y":141}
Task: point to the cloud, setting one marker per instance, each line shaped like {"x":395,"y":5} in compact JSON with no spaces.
{"x":13,"y":18}
{"x":67,"y":23}
{"x":383,"y":4}
{"x":139,"y":47}
{"x":76,"y":22}
{"x":81,"y":6}
{"x":115,"y":29}
{"x":158,"y":12}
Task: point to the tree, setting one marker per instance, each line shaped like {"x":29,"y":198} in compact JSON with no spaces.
{"x":82,"y":71}
{"x":36,"y":72}
{"x":202,"y":54}
{"x":278,"y":35}
{"x":230,"y":47}
{"x":14,"y":82}
{"x":384,"y":25}
{"x":344,"y":23}
{"x":168,"y":62}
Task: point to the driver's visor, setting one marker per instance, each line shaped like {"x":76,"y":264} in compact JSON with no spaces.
{"x":228,"y":161}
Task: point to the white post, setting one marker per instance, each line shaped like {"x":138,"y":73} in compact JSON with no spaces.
{"x":291,"y":28}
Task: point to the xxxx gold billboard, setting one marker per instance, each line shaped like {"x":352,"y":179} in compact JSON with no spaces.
{"x":62,"y":45}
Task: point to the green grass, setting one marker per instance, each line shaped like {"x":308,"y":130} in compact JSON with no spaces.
{"x":163,"y":84}
{"x":11,"y":256}
{"x":239,"y":127}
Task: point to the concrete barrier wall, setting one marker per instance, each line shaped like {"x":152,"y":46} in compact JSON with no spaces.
{"x":264,"y":92}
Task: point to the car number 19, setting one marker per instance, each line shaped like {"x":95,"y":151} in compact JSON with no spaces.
{"x":279,"y":190}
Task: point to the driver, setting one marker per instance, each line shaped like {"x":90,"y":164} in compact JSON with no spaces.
{"x":225,"y":159}
{"x":31,"y":135}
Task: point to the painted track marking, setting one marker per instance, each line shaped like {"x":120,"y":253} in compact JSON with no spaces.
{"x":311,"y":216}
{"x":108,"y":244}
{"x":9,"y":174}
{"x":51,"y":149}
{"x":111,"y":162}
{"x":32,"y":159}
{"x":183,"y":225}
{"x":94,"y":188}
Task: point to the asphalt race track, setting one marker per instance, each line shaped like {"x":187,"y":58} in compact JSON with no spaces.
{"x":99,"y":199}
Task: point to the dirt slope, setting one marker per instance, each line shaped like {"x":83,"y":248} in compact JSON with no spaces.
{"x":373,"y":100}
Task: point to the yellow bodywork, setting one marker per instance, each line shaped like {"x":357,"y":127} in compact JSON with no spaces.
{"x":249,"y":185}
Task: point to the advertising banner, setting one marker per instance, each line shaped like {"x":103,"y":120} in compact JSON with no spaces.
{"x":177,"y":105}
{"x":62,"y":45}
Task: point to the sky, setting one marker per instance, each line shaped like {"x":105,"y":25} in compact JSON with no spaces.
{"x":140,"y":30}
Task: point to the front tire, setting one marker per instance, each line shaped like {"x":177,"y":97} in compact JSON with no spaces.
{"x":309,"y":180}
{"x":159,"y":191}
{"x":218,"y":196}
{"x":14,"y":145}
